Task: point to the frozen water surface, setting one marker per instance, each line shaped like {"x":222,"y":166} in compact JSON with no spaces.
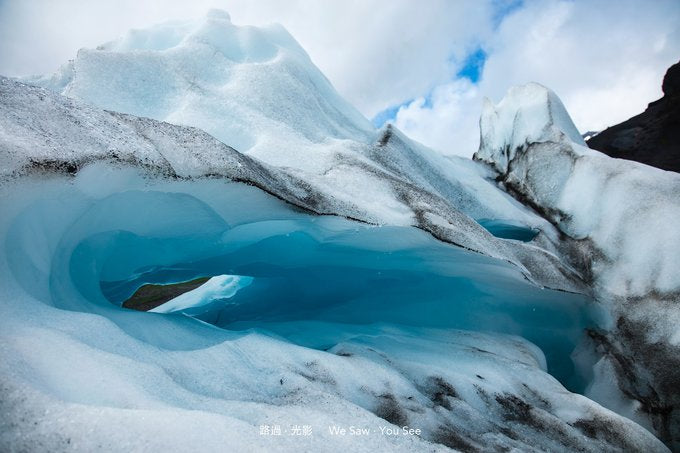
{"x":292,"y":267}
{"x":508,"y":229}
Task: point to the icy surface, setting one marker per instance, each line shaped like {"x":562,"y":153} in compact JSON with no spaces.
{"x":528,"y":114}
{"x":257,"y":91}
{"x":629,"y":211}
{"x":221,"y":77}
{"x":620,"y":219}
{"x":111,"y":223}
{"x":386,"y":362}
{"x":48,"y":132}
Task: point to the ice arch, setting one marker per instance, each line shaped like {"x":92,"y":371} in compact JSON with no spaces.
{"x":89,"y":252}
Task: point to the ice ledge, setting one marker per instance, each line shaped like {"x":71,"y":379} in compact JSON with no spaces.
{"x":529,"y":113}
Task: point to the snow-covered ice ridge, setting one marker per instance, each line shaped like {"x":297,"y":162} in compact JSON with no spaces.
{"x":620,"y":220}
{"x":208,"y":149}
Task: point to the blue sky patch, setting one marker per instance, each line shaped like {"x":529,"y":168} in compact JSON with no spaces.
{"x":388,"y":114}
{"x":473,"y":66}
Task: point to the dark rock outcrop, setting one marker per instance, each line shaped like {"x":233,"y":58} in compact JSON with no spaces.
{"x":652,"y":137}
{"x":151,"y":296}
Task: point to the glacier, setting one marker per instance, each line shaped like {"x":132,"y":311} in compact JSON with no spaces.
{"x":516,"y":301}
{"x":620,"y":221}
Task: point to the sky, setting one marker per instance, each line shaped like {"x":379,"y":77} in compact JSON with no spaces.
{"x":425,"y":65}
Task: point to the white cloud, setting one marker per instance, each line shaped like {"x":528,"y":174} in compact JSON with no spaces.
{"x":604,"y":59}
{"x":449,"y":124}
